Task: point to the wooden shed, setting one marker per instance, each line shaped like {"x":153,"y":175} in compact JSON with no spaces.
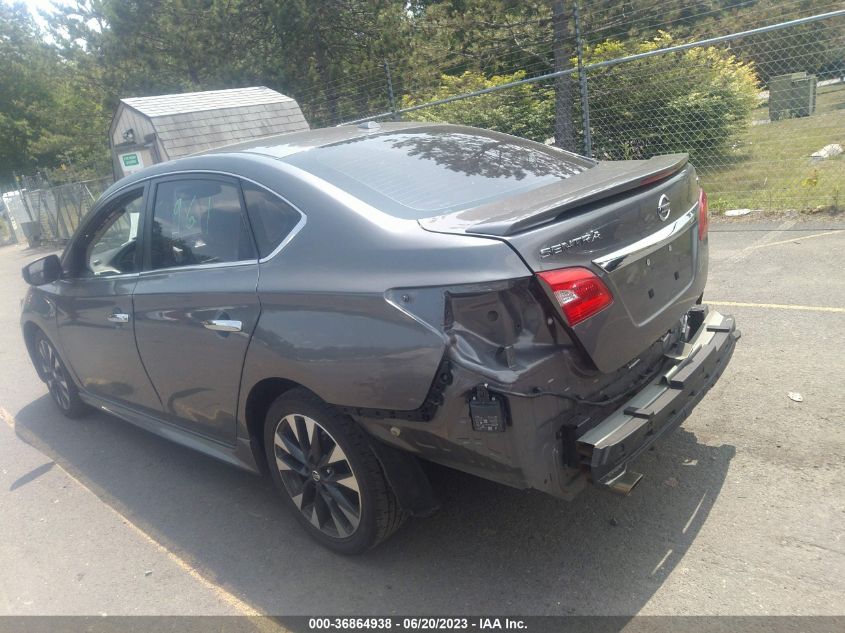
{"x":149,"y":130}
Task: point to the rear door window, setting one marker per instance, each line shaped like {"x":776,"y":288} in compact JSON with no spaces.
{"x":198,"y":221}
{"x":272,"y":218}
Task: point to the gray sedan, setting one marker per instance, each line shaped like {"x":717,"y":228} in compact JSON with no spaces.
{"x":334,"y":306}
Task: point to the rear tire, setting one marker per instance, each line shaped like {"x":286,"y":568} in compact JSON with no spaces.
{"x":52,"y":371}
{"x":328,"y":476}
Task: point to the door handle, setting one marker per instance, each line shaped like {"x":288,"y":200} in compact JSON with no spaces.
{"x":118,"y":317}
{"x":223,"y":325}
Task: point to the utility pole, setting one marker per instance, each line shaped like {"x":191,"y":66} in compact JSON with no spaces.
{"x":582,"y":86}
{"x":390,"y":94}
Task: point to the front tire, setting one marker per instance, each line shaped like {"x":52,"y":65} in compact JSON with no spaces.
{"x":322,"y":465}
{"x":59,"y":383}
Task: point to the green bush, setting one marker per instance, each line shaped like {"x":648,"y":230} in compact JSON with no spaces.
{"x":526,"y":110}
{"x":697,"y":101}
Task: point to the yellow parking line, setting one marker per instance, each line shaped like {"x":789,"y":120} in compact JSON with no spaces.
{"x":7,"y":417}
{"x":226,"y":597}
{"x":261,"y":623}
{"x":796,"y":239}
{"x":774,"y":306}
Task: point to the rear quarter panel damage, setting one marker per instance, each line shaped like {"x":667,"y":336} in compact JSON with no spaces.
{"x":329,"y":320}
{"x":507,"y":335}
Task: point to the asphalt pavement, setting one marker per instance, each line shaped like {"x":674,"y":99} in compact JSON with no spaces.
{"x":740,"y":512}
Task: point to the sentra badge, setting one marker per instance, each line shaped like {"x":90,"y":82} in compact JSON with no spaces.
{"x":557,"y":249}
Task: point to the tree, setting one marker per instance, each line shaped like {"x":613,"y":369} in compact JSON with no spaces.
{"x":56,"y":100}
{"x":701,"y":103}
{"x":815,"y":47}
{"x":26,"y":99}
{"x":526,"y":110}
{"x":332,"y":53}
{"x":145,"y":47}
{"x":327,"y":54}
{"x":495,"y":37}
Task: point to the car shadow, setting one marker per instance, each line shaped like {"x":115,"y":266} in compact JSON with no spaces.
{"x":490,"y":550}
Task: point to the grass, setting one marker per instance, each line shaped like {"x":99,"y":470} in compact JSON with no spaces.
{"x":771,"y":167}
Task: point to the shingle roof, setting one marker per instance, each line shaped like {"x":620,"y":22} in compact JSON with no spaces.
{"x":198,"y":121}
{"x":164,"y":105}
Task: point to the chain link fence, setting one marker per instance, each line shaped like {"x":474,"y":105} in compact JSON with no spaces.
{"x":754,"y":148}
{"x":37,"y":211}
{"x":759,"y":106}
{"x":760,"y":111}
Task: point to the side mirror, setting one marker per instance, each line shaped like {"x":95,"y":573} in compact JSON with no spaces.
{"x":43,"y":271}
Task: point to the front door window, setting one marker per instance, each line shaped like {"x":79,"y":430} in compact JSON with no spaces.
{"x":113,"y":248}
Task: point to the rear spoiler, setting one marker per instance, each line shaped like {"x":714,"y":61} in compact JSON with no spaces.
{"x":536,"y":207}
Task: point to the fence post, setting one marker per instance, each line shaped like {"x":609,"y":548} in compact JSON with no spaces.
{"x":20,"y":183}
{"x":390,"y":95}
{"x":61,"y":224}
{"x":582,"y":84}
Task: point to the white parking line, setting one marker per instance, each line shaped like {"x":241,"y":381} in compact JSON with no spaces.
{"x":798,"y":239}
{"x":774,"y":306}
{"x":763,"y":241}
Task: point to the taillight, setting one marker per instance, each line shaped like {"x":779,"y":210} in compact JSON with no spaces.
{"x":578,"y":291}
{"x":703,"y":219}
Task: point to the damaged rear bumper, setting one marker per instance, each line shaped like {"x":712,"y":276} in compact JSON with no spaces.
{"x":544,"y":440}
{"x":606,"y":450}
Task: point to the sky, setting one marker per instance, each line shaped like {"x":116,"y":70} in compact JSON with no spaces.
{"x":38,"y":5}
{"x":34,"y":5}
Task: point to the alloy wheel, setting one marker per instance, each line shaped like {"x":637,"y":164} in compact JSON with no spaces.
{"x":54,"y":374}
{"x":317,"y":475}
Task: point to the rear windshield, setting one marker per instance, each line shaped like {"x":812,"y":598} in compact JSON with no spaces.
{"x":423,"y":173}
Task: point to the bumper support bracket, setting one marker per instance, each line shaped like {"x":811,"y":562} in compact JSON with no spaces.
{"x":608,"y":448}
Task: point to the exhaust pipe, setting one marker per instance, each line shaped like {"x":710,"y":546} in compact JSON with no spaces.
{"x":623,"y":484}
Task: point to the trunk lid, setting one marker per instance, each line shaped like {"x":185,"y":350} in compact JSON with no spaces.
{"x":632,"y":222}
